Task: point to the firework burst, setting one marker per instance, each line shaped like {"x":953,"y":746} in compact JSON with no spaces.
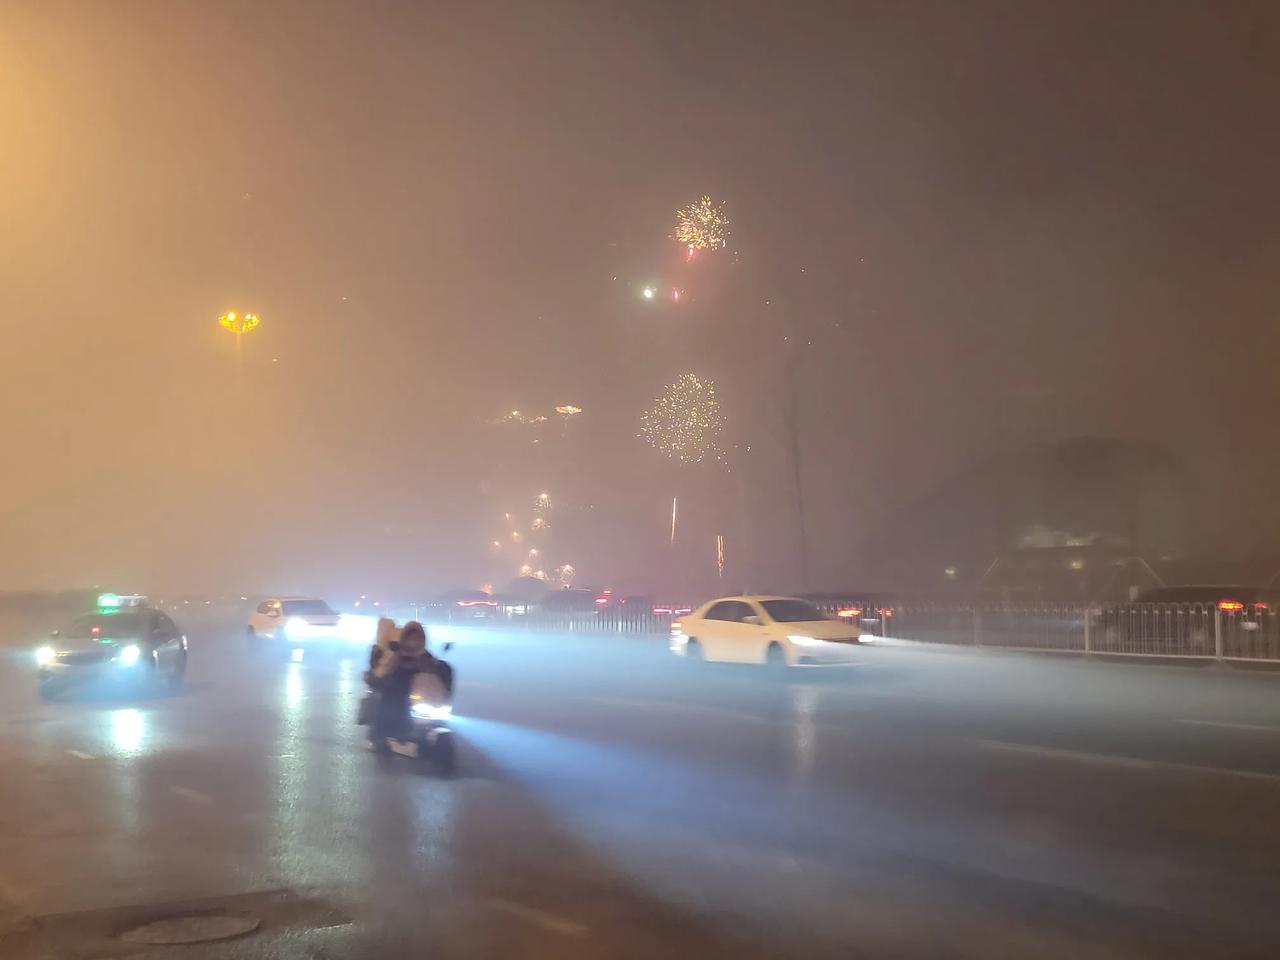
{"x":685,"y":423}
{"x":702,"y":225}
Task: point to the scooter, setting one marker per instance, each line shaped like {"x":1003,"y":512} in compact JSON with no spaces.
{"x":430,"y":736}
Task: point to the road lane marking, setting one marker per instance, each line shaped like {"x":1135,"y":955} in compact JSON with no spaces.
{"x":539,"y":918}
{"x":195,"y":796}
{"x":1255,"y":727}
{"x":81,"y":755}
{"x":1114,"y":760}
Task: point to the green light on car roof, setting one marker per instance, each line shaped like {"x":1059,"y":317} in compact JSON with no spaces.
{"x":109,"y":601}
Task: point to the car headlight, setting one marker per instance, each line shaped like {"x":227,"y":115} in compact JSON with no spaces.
{"x":429,"y":711}
{"x":295,"y":627}
{"x":129,"y":655}
{"x":800,"y":640}
{"x":45,"y":655}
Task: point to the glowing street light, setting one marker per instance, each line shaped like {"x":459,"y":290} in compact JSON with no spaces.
{"x":239,"y":324}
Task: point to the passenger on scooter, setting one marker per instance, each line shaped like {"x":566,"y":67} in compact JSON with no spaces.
{"x":392,"y":678}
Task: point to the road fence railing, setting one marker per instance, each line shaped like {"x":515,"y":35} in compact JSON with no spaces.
{"x":1187,"y":630}
{"x":1183,"y":630}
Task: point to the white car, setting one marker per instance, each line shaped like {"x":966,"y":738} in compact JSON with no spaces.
{"x":779,"y":631}
{"x":292,"y":619}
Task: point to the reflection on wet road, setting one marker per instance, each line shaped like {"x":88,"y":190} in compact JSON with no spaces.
{"x":610,"y":802}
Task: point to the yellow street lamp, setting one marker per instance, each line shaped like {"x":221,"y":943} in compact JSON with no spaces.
{"x":239,"y":324}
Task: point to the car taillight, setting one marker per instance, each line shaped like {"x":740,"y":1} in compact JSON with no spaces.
{"x":1230,"y":606}
{"x":846,"y":613}
{"x":1261,"y":606}
{"x":885,"y":611}
{"x":662,"y":611}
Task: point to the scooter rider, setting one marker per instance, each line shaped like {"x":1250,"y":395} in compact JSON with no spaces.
{"x":392,"y":677}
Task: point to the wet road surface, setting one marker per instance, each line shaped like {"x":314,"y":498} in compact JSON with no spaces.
{"x":611,"y":802}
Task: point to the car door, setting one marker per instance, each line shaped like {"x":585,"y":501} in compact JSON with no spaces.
{"x":713,"y":632}
{"x":167,"y":642}
{"x":266,"y":618}
{"x":736,"y":640}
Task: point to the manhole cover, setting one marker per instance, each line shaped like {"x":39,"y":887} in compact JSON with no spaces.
{"x":194,"y":929}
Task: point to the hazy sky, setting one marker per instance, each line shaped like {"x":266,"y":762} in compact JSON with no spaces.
{"x":999,"y":223}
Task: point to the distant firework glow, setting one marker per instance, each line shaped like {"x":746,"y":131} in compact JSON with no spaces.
{"x":685,"y":423}
{"x":702,"y":225}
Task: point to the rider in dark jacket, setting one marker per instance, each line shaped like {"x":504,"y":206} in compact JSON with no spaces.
{"x":392,"y":674}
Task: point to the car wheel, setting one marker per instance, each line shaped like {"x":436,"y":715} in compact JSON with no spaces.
{"x":776,"y":658}
{"x":693,"y":651}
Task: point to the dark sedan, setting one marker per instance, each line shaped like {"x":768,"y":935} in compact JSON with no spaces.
{"x":136,"y":644}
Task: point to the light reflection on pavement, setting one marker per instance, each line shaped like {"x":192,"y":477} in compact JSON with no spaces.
{"x":612,"y":802}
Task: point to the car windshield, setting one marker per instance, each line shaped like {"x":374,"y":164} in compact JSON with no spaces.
{"x":304,"y":608}
{"x":792,"y":611}
{"x":107,"y":626}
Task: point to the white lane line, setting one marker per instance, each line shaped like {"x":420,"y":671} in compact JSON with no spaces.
{"x":81,"y":755}
{"x":1254,"y":727}
{"x":539,"y":918}
{"x":195,"y":796}
{"x":1114,"y":760}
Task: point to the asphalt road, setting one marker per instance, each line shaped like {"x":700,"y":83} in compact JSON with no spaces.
{"x":611,"y":802}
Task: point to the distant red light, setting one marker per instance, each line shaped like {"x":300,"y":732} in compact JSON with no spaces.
{"x":1230,"y":606}
{"x":885,"y":611}
{"x":1261,"y":606}
{"x":846,"y":613}
{"x":662,"y":611}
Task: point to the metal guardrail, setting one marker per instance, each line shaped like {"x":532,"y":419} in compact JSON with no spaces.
{"x":1187,"y":630}
{"x":1196,"y":631}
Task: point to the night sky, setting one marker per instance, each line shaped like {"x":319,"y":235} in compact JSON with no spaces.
{"x":998,"y":225}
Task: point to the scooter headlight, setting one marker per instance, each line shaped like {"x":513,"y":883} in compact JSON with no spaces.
{"x":429,"y":711}
{"x":45,"y":656}
{"x":129,"y":655}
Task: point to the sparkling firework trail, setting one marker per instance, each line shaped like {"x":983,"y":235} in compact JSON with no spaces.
{"x":685,"y":423}
{"x":702,"y":225}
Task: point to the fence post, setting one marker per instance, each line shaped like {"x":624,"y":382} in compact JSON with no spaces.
{"x":1217,"y":633}
{"x":1088,"y":630}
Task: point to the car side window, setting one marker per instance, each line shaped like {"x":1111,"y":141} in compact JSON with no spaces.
{"x":740,"y":611}
{"x":262,"y":607}
{"x":721,"y":611}
{"x":166,"y":626}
